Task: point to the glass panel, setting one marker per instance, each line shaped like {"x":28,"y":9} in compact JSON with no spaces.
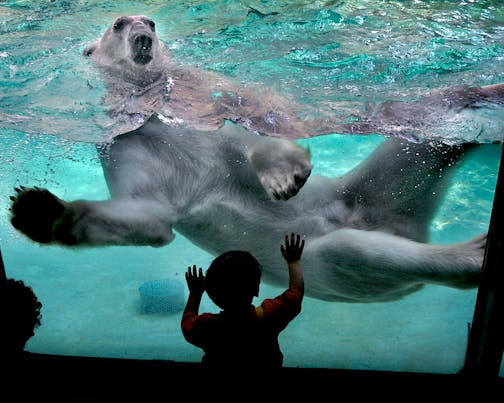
{"x":334,"y":57}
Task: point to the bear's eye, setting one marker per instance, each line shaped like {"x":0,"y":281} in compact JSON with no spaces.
{"x":119,"y":24}
{"x":150,"y":23}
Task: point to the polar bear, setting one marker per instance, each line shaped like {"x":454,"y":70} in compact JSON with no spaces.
{"x":143,"y":78}
{"x":365,"y":232}
{"x":224,"y":187}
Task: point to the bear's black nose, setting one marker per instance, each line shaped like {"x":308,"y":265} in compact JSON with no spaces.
{"x":143,"y":42}
{"x":142,"y":47}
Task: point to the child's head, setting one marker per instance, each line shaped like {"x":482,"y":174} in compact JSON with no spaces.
{"x":232,"y":280}
{"x":19,"y":313}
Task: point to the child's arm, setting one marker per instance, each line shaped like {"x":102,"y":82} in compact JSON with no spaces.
{"x":196,"y":283}
{"x":292,"y":251}
{"x":286,"y":306}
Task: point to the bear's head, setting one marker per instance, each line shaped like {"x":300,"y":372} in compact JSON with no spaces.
{"x":130,"y":46}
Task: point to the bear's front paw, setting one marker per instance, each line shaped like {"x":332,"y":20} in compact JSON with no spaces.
{"x":282,"y":167}
{"x":283,"y":185}
{"x":34,"y":212}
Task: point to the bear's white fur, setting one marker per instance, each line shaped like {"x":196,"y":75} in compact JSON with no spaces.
{"x":228,"y":188}
{"x":143,"y":78}
{"x":365,"y":232}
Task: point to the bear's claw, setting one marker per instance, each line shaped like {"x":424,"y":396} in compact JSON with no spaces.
{"x":284,"y":185}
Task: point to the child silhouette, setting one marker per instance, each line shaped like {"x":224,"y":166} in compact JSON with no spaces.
{"x":242,"y":335}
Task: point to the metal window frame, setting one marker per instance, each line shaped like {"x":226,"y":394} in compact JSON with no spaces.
{"x":486,"y":337}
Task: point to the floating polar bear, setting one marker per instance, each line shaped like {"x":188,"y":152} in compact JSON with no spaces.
{"x":224,"y":187}
{"x":142,"y":79}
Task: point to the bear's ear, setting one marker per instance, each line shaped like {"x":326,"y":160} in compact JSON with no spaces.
{"x":88,"y":50}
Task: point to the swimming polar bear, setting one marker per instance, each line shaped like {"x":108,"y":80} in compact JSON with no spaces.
{"x":365,"y":232}
{"x":226,"y":188}
{"x":143,"y":78}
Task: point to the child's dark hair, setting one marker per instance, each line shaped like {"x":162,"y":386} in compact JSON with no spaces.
{"x":232,"y":279}
{"x":19,"y":304}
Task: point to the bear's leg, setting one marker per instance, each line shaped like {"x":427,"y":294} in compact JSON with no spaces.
{"x":399,"y":187}
{"x":369,"y":266}
{"x":45,"y":218}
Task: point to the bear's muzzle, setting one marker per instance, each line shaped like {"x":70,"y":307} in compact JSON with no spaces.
{"x":141,"y":48}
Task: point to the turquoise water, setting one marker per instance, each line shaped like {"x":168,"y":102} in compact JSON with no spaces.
{"x":325,"y":54}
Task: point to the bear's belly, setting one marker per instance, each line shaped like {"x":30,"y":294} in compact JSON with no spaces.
{"x":221,"y":226}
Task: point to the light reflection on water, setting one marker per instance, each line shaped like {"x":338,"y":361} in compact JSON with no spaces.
{"x":322,"y":52}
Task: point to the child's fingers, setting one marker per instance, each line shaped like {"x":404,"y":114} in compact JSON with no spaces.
{"x":192,"y":272}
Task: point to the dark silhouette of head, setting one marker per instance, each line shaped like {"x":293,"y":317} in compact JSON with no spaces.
{"x":19,"y":315}
{"x":232,"y":280}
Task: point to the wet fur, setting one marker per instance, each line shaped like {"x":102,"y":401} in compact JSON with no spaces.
{"x":366,"y":231}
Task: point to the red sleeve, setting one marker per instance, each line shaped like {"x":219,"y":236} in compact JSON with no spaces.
{"x":194,"y":327}
{"x":282,"y":309}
